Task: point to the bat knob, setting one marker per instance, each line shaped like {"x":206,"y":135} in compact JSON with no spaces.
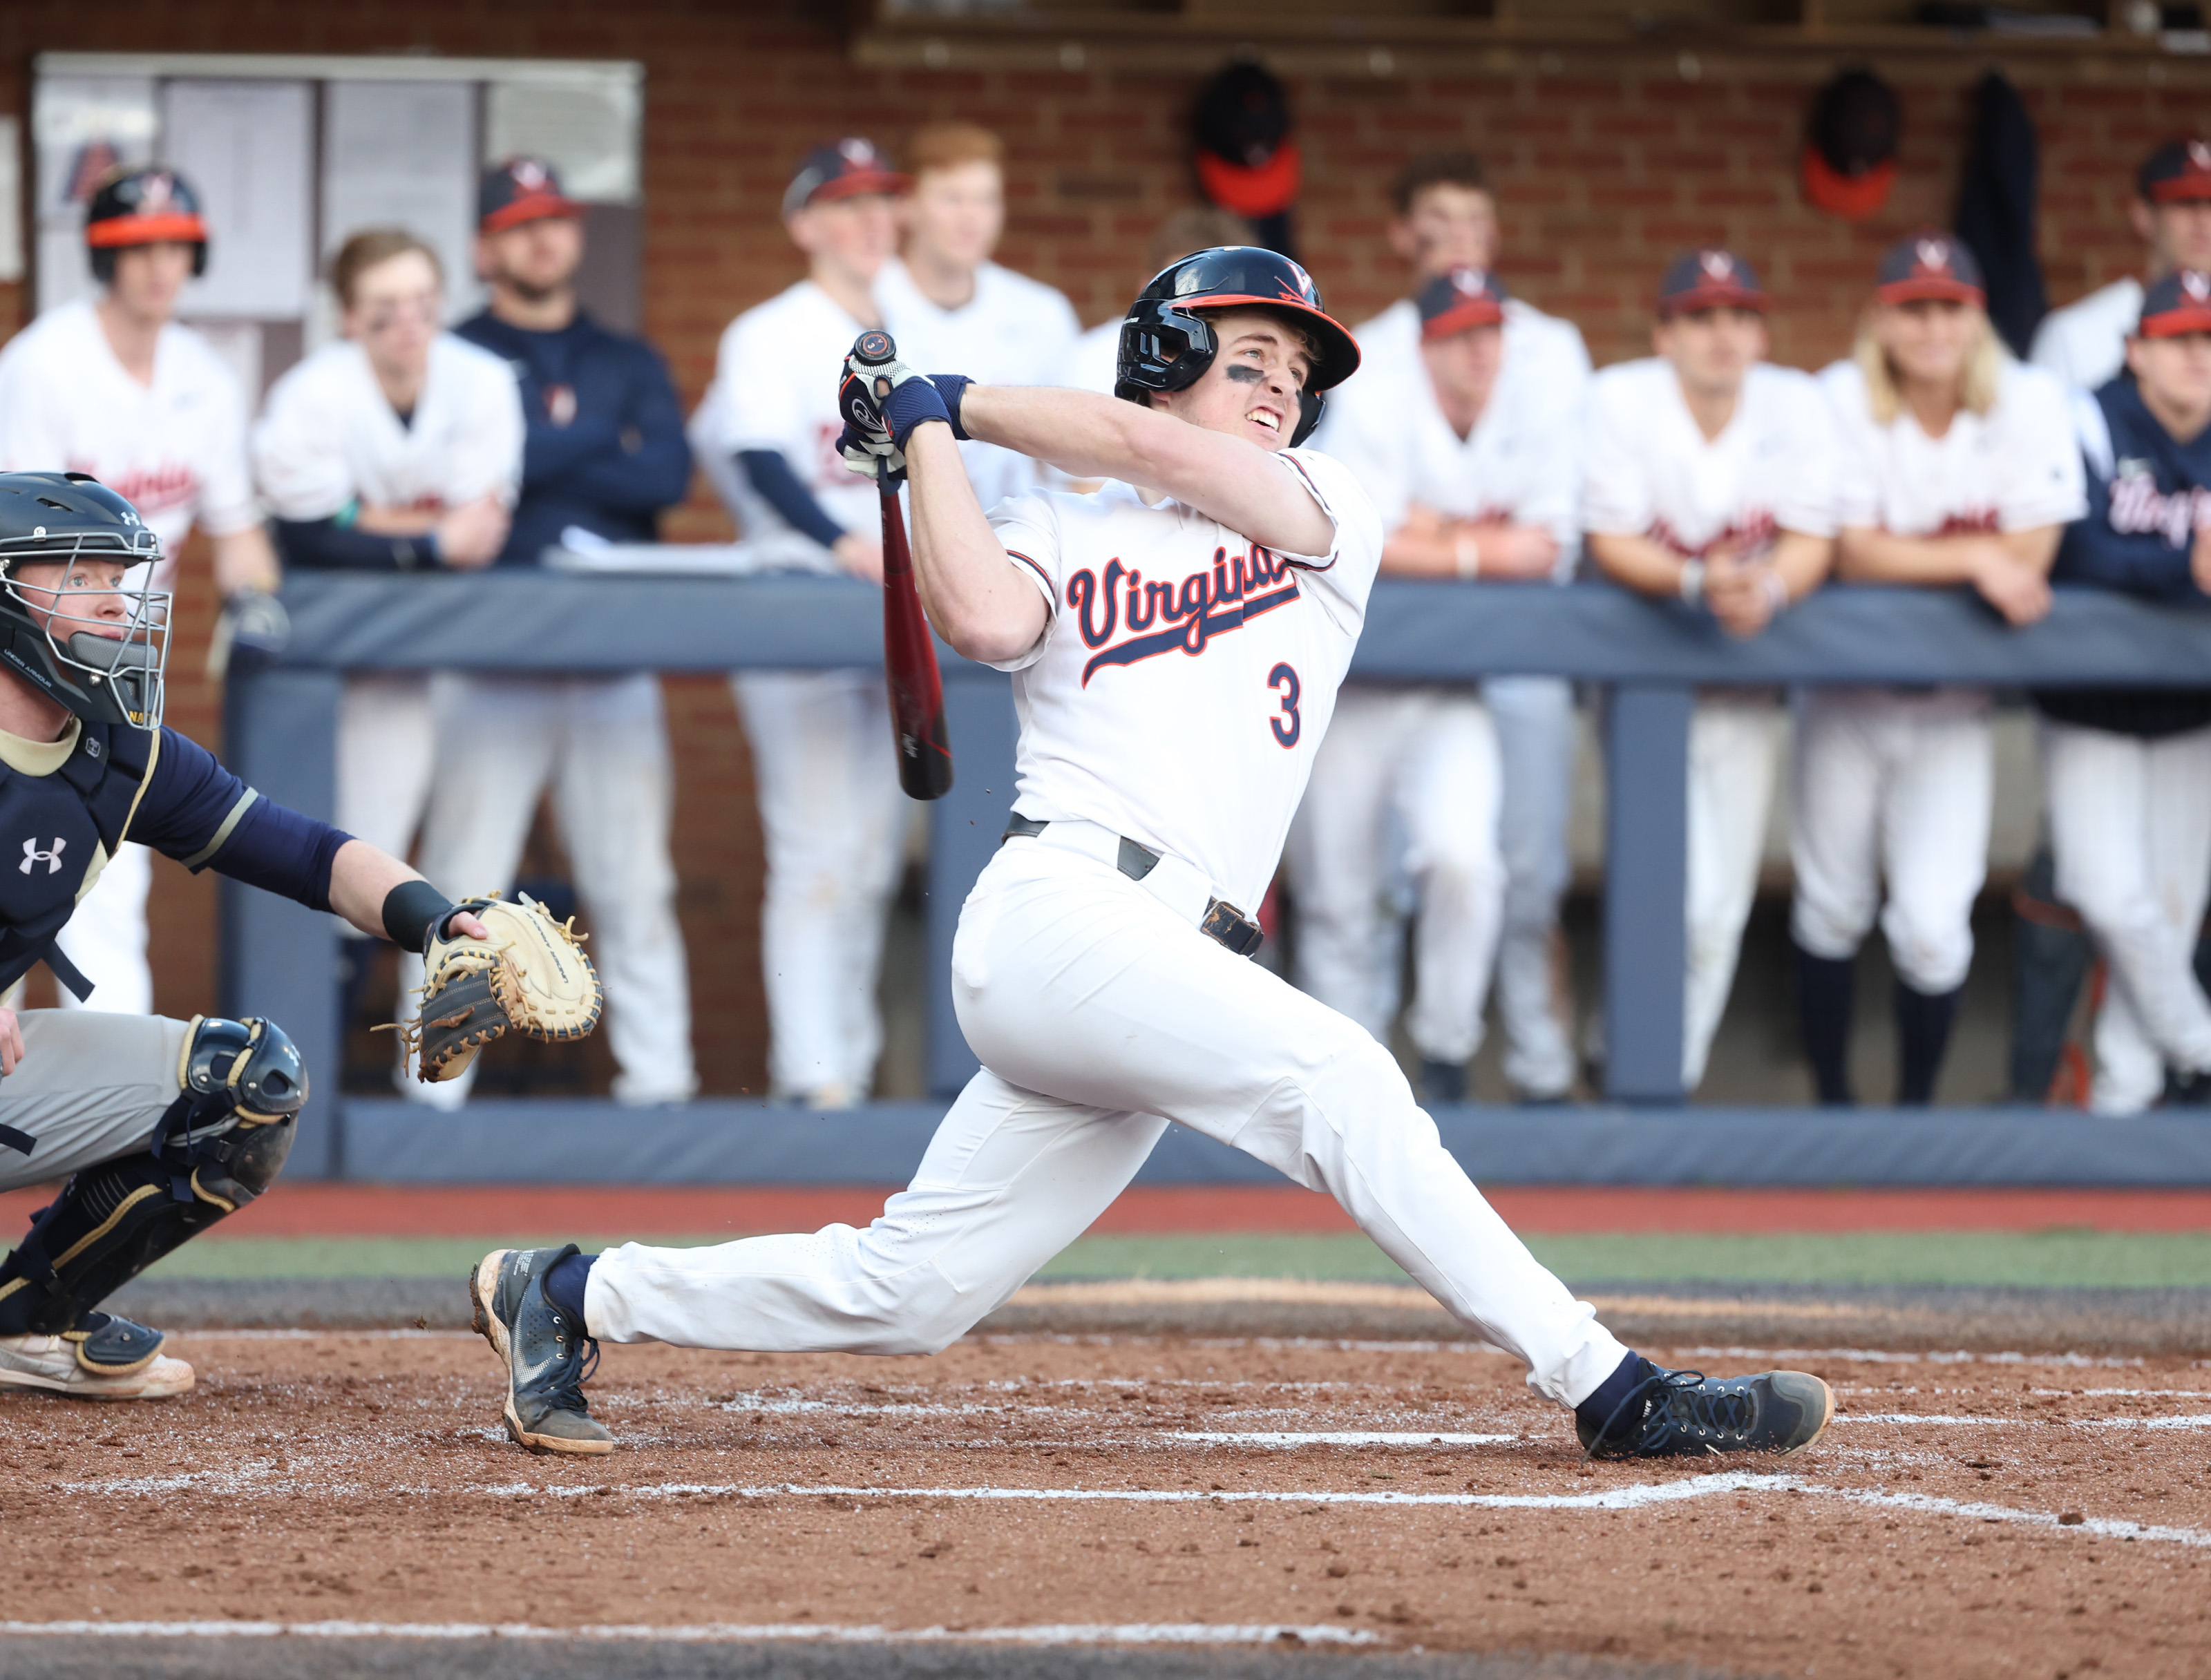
{"x":874,"y":349}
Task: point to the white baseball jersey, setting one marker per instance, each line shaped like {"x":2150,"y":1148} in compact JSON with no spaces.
{"x":1542,"y":351}
{"x":2015,"y":468}
{"x":775,"y":388}
{"x":1648,"y":470}
{"x":329,"y":434}
{"x":2085,"y":343}
{"x":1091,"y":361}
{"x":1186,"y":675}
{"x":1014,"y":331}
{"x":1519,"y":464}
{"x":175,"y":450}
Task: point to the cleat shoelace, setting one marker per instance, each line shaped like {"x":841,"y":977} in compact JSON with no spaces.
{"x":1669,"y":1404}
{"x":566,"y":1391}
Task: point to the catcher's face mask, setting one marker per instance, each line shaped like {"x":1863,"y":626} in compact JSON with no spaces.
{"x":89,"y":629}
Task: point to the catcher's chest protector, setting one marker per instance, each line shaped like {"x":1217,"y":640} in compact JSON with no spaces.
{"x":51,"y":829}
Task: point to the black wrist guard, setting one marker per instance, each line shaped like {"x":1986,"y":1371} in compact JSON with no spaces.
{"x":412,"y":911}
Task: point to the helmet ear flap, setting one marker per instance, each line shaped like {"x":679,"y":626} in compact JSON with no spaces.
{"x":103,"y":265}
{"x":1310,"y":404}
{"x":199,"y":259}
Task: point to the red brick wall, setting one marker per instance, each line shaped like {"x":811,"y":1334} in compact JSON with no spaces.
{"x":1604,"y":163}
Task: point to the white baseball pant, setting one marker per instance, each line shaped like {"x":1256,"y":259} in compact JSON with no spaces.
{"x":601,"y":742}
{"x":1100,"y":1013}
{"x":1408,"y":774}
{"x":1897,"y":786}
{"x":106,"y":936}
{"x":1535,"y":721}
{"x":2130,"y":832}
{"x":1734,"y":741}
{"x":387,"y":749}
{"x":825,"y":775}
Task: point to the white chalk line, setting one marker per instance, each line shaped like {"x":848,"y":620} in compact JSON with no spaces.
{"x":2192,"y":1421}
{"x":1070,"y":1633}
{"x":1335,"y":1438}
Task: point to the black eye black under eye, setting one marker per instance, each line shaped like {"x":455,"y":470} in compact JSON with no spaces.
{"x":1244,"y":374}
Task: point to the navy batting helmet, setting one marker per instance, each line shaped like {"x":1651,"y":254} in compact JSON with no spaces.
{"x":1166,"y":344}
{"x":142,"y":205}
{"x":54,"y":632}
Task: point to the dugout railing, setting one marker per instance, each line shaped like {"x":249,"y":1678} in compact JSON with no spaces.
{"x":282,"y":960}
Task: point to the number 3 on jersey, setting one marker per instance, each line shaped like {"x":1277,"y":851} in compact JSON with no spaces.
{"x":1288,"y":726}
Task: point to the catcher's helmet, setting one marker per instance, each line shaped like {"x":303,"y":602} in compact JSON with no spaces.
{"x":1166,"y":344}
{"x":62,"y":519}
{"x":142,"y":205}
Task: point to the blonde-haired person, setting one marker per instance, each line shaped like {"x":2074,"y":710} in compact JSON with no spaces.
{"x":1957,"y":466}
{"x":398,"y":449}
{"x":949,"y":305}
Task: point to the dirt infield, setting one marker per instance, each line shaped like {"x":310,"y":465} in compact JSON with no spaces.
{"x":1966,"y":1516}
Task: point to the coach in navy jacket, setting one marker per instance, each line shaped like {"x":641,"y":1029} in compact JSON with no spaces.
{"x":604,"y":453}
{"x":2127,"y":772}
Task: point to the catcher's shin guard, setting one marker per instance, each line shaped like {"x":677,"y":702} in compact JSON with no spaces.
{"x":220,"y":1144}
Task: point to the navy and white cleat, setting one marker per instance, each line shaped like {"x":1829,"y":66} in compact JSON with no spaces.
{"x":546,"y":1357}
{"x":1686,"y":1414}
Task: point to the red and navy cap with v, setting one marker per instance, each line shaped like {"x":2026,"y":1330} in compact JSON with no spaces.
{"x":144,"y":205}
{"x":2180,"y":303}
{"x":519,"y":190}
{"x":1464,"y":298}
{"x":842,"y":169}
{"x":2177,"y":171}
{"x":1930,"y":265}
{"x":1709,"y":279}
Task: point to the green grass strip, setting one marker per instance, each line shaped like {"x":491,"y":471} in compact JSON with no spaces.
{"x":2052,"y":1259}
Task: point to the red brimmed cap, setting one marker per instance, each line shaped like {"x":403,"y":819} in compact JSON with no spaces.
{"x":1452,"y":303}
{"x":521,"y":190}
{"x":1930,"y":265}
{"x":1709,"y":279}
{"x":2179,"y":170}
{"x":842,"y":169}
{"x":144,"y":207}
{"x":2180,"y":303}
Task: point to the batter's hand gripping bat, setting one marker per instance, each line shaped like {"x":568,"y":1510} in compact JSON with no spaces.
{"x":924,"y":745}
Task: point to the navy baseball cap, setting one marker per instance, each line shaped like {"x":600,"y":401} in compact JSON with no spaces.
{"x":2180,"y":303}
{"x":2179,"y":170}
{"x":843,"y":169}
{"x":519,"y":190}
{"x":1709,"y":279}
{"x":1464,"y":298}
{"x":1929,"y":265}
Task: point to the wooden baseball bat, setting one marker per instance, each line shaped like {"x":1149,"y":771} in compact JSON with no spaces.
{"x":917,"y":687}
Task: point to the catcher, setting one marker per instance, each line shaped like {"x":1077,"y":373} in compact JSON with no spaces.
{"x":162,"y":1128}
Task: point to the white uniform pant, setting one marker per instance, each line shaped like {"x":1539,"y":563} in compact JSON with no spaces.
{"x":387,"y":748}
{"x":601,"y":742}
{"x":826,"y":776}
{"x":1535,"y":721}
{"x":1405,"y":778}
{"x":1100,"y":1013}
{"x":1896,"y":788}
{"x":2130,"y":832}
{"x":1734,"y":740}
{"x":106,"y":936}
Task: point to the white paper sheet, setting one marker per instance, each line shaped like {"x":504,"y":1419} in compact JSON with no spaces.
{"x":247,"y":147}
{"x":402,"y":154}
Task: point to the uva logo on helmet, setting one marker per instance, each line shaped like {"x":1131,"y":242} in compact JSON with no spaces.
{"x":2199,"y":154}
{"x":2196,"y":284}
{"x":1934,"y":255}
{"x":529,"y":173}
{"x":156,"y":192}
{"x":1472,"y":281}
{"x":1716,"y":265}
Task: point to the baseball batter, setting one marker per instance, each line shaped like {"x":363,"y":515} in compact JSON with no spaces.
{"x":1706,"y":481}
{"x":1476,"y":480}
{"x":1446,"y":219}
{"x":397,"y":448}
{"x":1954,"y":465}
{"x":162,"y":1127}
{"x":1177,"y":640}
{"x":947,"y":304}
{"x":2127,"y":773}
{"x":115,"y":387}
{"x":2085,"y":343}
{"x":824,"y":777}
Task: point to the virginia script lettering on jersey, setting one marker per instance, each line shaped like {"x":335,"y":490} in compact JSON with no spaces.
{"x":2138,"y":506}
{"x":1207,"y":603}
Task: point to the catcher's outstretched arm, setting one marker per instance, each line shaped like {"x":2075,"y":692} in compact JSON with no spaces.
{"x":361,"y":880}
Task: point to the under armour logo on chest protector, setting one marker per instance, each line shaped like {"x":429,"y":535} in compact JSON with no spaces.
{"x":32,"y":857}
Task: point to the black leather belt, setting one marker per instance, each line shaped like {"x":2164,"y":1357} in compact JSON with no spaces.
{"x":1222,"y":922}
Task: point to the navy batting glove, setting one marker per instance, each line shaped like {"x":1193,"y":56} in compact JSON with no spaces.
{"x":952,"y":387}
{"x":911,"y":404}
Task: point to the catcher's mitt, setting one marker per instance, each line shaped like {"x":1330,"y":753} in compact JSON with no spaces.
{"x":531,"y":976}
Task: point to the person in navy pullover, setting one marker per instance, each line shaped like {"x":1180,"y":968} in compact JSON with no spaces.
{"x":2127,"y":772}
{"x":604,"y":453}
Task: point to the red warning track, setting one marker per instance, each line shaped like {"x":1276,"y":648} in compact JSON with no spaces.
{"x":308,"y":1210}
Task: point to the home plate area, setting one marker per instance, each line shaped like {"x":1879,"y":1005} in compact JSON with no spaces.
{"x":1966,"y":1514}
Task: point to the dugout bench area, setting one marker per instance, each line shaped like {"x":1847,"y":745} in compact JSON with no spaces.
{"x":280,"y":959}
